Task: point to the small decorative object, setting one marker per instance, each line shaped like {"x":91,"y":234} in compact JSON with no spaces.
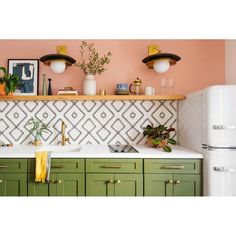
{"x":159,"y":137}
{"x":44,"y":89}
{"x":102,"y":91}
{"x":159,"y":61}
{"x":27,"y":70}
{"x":58,"y":62}
{"x":150,"y":90}
{"x":137,"y":87}
{"x":91,"y":64}
{"x":49,"y":86}
{"x":8,"y":82}
{"x":67,"y":91}
{"x":122,"y":89}
{"x":38,"y":127}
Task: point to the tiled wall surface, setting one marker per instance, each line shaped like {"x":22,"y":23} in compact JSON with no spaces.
{"x":96,"y":122}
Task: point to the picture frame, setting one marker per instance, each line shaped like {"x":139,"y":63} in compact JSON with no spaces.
{"x":28,"y":72}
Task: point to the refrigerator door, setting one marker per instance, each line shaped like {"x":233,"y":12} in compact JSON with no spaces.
{"x":219,"y":173}
{"x":219,"y":116}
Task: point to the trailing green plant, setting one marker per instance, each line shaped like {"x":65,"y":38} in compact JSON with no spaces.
{"x":11,"y":81}
{"x":91,"y":62}
{"x":38,"y":127}
{"x":159,"y":137}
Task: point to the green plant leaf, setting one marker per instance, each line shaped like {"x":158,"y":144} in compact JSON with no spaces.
{"x":167,"y":148}
{"x":172,"y":141}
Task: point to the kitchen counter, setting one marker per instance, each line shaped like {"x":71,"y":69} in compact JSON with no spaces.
{"x":95,"y":151}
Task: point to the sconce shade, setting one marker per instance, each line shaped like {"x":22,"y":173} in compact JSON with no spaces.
{"x":150,"y":60}
{"x":52,"y":57}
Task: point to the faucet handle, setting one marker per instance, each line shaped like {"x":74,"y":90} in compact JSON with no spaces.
{"x":67,"y":139}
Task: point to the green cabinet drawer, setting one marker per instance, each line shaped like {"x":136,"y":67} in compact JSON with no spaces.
{"x":61,"y":165}
{"x":185,"y":166}
{"x":16,"y":165}
{"x":114,"y":165}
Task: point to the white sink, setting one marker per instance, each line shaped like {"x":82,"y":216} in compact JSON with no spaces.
{"x":60,"y":149}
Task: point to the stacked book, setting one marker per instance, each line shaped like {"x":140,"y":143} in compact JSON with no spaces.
{"x":67,"y":91}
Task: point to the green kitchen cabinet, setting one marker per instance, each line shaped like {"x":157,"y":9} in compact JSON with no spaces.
{"x":172,"y":177}
{"x":114,"y":184}
{"x":13,"y":177}
{"x":12,"y":184}
{"x":61,"y":184}
{"x":67,"y":178}
{"x":187,"y":185}
{"x":172,"y":185}
{"x":114,"y":177}
{"x":157,"y":185}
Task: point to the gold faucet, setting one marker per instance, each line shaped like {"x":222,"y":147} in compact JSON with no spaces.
{"x":64,"y":139}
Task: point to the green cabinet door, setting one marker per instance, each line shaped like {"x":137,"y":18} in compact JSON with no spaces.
{"x":61,"y":184}
{"x":100,"y":184}
{"x":12,"y":184}
{"x":158,"y":185}
{"x":187,"y":185}
{"x":41,"y":189}
{"x":70,"y":184}
{"x":128,"y":184}
{"x":114,"y":185}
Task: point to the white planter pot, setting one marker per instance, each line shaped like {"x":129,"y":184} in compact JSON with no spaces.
{"x":89,"y":85}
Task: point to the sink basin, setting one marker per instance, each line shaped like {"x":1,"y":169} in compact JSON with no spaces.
{"x":61,"y":149}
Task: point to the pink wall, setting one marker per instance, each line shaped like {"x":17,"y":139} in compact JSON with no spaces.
{"x":202,"y":63}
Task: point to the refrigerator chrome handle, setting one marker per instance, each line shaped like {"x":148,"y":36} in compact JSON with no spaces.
{"x":224,"y":127}
{"x":223,"y":169}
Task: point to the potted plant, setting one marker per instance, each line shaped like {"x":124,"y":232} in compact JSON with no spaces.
{"x":38,"y":128}
{"x":8,"y":82}
{"x":91,"y":63}
{"x":159,"y":137}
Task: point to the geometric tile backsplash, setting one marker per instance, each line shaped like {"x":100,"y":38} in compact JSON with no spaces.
{"x":96,"y":122}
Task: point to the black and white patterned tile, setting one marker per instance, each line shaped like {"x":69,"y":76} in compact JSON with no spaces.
{"x":96,"y":122}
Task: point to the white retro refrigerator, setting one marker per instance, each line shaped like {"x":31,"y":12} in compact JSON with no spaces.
{"x":207,"y":124}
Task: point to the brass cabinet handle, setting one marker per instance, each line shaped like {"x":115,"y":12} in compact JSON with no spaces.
{"x":114,"y":167}
{"x":117,"y":181}
{"x":57,"y":166}
{"x":55,"y":181}
{"x":1,"y":181}
{"x":110,"y":181}
{"x":169,"y":181}
{"x":177,"y":182}
{"x":172,"y":167}
{"x":4,"y":166}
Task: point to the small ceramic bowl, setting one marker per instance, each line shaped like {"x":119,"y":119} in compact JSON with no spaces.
{"x":122,"y":87}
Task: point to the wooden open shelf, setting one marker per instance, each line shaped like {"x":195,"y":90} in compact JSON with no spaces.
{"x":91,"y":98}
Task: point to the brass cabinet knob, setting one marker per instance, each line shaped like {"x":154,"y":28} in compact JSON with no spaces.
{"x":59,"y":181}
{"x":110,"y":181}
{"x":169,"y":181}
{"x":117,"y":181}
{"x":177,"y":182}
{"x":1,"y":181}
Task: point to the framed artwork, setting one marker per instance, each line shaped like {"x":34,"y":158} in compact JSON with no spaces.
{"x":28,"y":72}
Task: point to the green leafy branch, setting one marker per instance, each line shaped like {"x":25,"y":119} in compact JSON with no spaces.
{"x":38,"y":126}
{"x":91,"y":62}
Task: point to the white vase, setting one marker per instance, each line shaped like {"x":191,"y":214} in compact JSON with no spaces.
{"x":89,"y":85}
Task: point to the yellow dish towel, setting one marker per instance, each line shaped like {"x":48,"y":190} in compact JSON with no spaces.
{"x":41,"y":166}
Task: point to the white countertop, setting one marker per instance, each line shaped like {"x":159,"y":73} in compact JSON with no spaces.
{"x":95,"y":151}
